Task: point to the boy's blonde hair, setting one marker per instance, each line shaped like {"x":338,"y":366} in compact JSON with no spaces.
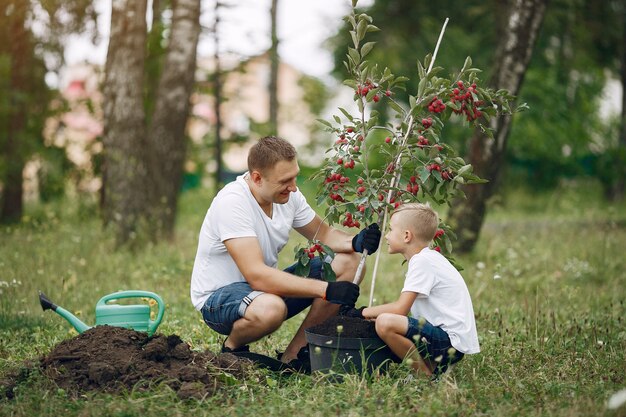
{"x":420,"y":219}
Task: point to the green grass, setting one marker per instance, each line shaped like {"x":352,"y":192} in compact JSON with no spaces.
{"x":547,"y":281}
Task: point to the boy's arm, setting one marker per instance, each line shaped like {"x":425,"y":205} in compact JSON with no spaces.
{"x":401,"y":306}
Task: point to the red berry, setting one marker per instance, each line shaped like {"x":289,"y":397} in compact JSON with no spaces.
{"x":388,"y":139}
{"x":439,"y":233}
{"x":360,"y":190}
{"x":413,"y":179}
{"x":380,"y":197}
{"x":349,"y":130}
{"x":359,"y":181}
{"x":361,"y":208}
{"x":388,"y":93}
{"x":356,"y":149}
{"x":339,"y":161}
{"x":437,"y":248}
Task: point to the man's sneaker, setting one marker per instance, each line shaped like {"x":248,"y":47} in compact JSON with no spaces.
{"x":244,"y":348}
{"x":302,"y":363}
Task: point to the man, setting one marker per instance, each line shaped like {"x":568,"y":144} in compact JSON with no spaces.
{"x":235,"y":283}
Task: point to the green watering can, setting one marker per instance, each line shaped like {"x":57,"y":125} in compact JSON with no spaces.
{"x":136,"y":317}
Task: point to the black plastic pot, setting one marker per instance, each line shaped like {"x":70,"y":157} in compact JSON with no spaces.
{"x":348,"y":355}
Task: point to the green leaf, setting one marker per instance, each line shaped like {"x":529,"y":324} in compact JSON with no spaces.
{"x":367,"y":48}
{"x":354,"y":56}
{"x":345,"y":113}
{"x":372,"y":28}
{"x":328,"y":250}
{"x":324,"y":122}
{"x":302,"y":270}
{"x":329,"y":274}
{"x":355,"y":40}
{"x":354,"y":2}
{"x":421,"y":87}
{"x":361,"y":28}
{"x":396,"y":106}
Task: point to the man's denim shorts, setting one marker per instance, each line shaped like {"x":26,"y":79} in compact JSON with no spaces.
{"x":229,"y":303}
{"x":433,"y":343}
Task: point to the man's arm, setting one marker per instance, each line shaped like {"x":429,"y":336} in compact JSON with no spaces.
{"x":247,"y":254}
{"x":338,"y":240}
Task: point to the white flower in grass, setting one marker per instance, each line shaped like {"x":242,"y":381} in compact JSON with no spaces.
{"x":617,"y":400}
{"x":317,"y":350}
{"x":480,"y":265}
{"x":339,"y":328}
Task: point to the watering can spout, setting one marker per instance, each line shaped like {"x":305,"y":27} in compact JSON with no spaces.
{"x":46,"y":304}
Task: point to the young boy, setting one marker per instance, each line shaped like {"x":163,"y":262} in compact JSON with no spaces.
{"x":442,"y":327}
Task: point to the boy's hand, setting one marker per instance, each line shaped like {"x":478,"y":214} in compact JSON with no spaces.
{"x":368,"y":238}
{"x":348,"y":311}
{"x":342,"y":292}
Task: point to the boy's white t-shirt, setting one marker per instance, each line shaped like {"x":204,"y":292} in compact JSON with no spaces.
{"x":234,"y":213}
{"x":442,"y":298}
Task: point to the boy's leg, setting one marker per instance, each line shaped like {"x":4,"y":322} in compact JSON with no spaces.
{"x":392,"y":329}
{"x":345,"y":266}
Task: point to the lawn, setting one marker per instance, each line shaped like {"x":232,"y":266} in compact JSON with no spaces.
{"x":547,"y":281}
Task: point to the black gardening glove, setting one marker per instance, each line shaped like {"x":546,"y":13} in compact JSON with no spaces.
{"x":368,"y":238}
{"x":342,"y":292}
{"x":348,"y":311}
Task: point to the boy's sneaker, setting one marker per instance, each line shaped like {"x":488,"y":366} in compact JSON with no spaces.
{"x":302,"y":363}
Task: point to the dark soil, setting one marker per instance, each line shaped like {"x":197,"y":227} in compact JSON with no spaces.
{"x":113,"y":359}
{"x":352,"y":327}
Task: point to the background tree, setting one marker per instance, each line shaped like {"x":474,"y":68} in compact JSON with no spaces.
{"x":274,"y":65}
{"x":487,"y":153}
{"x":144,"y":151}
{"x":26,"y":56}
{"x":562,"y":134}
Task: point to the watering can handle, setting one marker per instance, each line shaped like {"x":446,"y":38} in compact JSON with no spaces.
{"x":138,"y":294}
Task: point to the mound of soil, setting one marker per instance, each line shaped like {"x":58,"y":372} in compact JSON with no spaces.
{"x":111,"y":359}
{"x":351,"y":327}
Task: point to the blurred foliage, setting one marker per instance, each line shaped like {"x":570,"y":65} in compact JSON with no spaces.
{"x":33,"y":35}
{"x":577,"y":50}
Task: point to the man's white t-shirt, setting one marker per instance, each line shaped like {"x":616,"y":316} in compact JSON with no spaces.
{"x":234,"y":213}
{"x":442,"y":298}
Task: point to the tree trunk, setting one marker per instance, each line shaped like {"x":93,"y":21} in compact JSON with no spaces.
{"x":274,"y":65}
{"x":166,"y":136}
{"x":620,"y":184}
{"x":124,"y":141}
{"x":513,"y":54}
{"x":217,"y":94}
{"x":19,"y":51}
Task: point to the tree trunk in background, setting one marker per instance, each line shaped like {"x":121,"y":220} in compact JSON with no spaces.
{"x":513,"y":54}
{"x":166,"y":134}
{"x":620,"y":185}
{"x":125,"y":147}
{"x":19,"y":50}
{"x":274,"y":64}
{"x":217,"y":94}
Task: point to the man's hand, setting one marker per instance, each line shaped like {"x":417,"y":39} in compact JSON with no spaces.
{"x":348,"y":311}
{"x":368,"y":238}
{"x":342,"y":292}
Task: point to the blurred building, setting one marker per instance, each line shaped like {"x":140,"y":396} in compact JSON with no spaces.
{"x":245,"y":107}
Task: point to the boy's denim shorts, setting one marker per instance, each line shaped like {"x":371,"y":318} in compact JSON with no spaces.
{"x":228,"y":304}
{"x":433,"y":343}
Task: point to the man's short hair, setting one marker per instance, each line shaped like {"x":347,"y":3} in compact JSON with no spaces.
{"x":420,"y":218}
{"x":268,"y":151}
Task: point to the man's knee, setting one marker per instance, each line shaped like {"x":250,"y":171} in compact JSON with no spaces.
{"x":345,"y":265}
{"x":267,"y":309}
